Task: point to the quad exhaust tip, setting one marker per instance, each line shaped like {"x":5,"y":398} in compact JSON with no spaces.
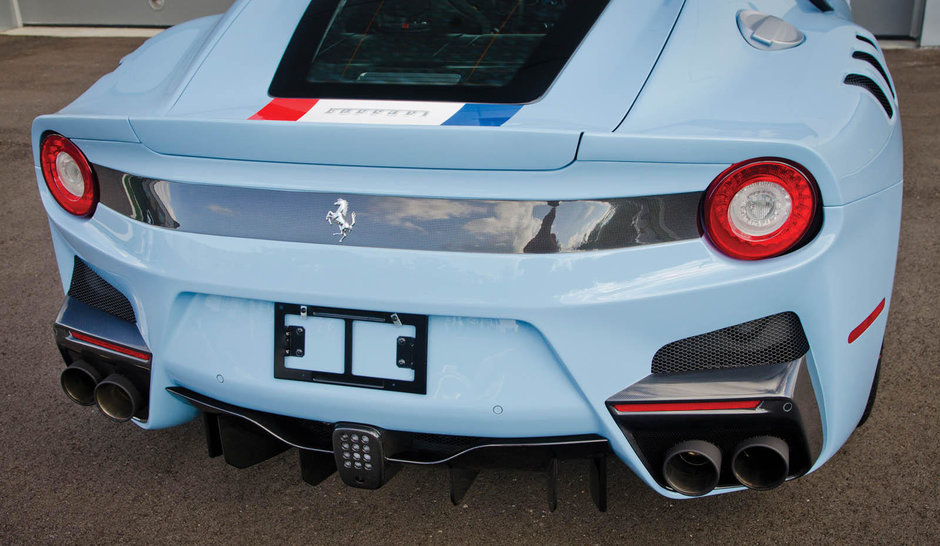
{"x":118,"y":398}
{"x":79,"y":381}
{"x":115,"y":395}
{"x":692,"y":467}
{"x":761,"y":463}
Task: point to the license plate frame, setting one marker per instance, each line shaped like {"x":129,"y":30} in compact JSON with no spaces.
{"x":417,"y":348}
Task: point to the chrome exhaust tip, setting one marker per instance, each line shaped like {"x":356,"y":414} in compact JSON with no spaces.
{"x":79,"y":381}
{"x":761,"y":463}
{"x":118,"y":398}
{"x":692,"y":467}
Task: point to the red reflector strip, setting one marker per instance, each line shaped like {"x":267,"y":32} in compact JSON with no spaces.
{"x":688,"y":406}
{"x":111,"y":346}
{"x":285,"y":109}
{"x":860,"y":329}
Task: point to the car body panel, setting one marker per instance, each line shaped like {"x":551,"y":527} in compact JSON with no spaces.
{"x":625,"y":305}
{"x":582,"y":97}
{"x":705,"y":92}
{"x":546,"y":338}
{"x":202,"y":111}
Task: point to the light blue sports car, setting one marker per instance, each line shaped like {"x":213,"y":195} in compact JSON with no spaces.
{"x":486,"y":232}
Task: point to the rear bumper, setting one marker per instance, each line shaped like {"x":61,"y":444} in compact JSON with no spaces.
{"x":520,"y":346}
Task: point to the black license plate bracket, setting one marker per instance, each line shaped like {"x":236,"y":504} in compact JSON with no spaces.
{"x":412,"y":351}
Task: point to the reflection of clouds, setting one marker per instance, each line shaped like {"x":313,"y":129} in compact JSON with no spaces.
{"x":403,"y":212}
{"x":219,"y":209}
{"x":605,"y":292}
{"x":161,"y":189}
{"x":661,"y":216}
{"x":592,"y":214}
{"x":640,"y":223}
{"x":510,"y":224}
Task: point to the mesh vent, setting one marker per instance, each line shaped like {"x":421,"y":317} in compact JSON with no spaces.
{"x":770,"y":340}
{"x":870,"y":59}
{"x":90,"y":289}
{"x":869,"y":85}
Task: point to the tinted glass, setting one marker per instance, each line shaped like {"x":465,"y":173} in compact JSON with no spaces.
{"x":460,"y":50}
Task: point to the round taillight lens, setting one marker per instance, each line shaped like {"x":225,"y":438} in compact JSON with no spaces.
{"x":68,"y":175}
{"x":760,"y":208}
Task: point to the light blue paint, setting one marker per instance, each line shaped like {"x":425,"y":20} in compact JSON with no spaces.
{"x":549,"y":337}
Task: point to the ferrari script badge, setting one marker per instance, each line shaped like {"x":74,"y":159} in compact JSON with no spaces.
{"x":339,"y":216}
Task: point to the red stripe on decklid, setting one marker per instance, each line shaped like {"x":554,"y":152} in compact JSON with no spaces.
{"x":688,"y":406}
{"x":285,"y":109}
{"x":110,"y":346}
{"x":860,"y":329}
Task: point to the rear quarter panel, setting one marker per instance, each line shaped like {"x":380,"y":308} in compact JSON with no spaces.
{"x":712,"y":95}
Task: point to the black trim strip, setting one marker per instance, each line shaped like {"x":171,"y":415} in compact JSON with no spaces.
{"x":872,"y":60}
{"x":315,"y":435}
{"x":867,"y":40}
{"x":408,"y":223}
{"x":872,"y":87}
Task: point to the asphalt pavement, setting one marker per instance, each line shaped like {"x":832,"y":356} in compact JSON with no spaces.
{"x":68,"y":475}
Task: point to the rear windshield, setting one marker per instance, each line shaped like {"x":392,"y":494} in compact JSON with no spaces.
{"x":498,"y":51}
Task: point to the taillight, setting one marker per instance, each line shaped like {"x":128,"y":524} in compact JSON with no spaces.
{"x":687,"y":406}
{"x":140,"y":355}
{"x":760,"y":208}
{"x":68,"y":175}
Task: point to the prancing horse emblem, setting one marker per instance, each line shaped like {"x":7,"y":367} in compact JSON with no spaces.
{"x":339,"y":215}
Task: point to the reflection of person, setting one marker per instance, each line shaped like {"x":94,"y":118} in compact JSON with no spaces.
{"x":544,"y":241}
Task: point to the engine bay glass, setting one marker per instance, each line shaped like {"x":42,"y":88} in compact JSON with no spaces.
{"x":494,"y":51}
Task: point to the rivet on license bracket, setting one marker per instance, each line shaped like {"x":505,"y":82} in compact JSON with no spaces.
{"x":303,"y":311}
{"x":396,"y":320}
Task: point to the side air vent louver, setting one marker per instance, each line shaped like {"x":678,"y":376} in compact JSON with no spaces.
{"x":90,"y":289}
{"x":769,"y":340}
{"x":870,"y":59}
{"x":866,"y":40}
{"x":869,"y":85}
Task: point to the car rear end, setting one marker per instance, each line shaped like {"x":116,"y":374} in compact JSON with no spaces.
{"x":421,"y":273}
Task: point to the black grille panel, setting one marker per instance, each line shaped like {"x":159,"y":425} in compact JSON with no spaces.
{"x":866,"y":40}
{"x":90,"y":289}
{"x":869,"y":85}
{"x":822,"y":5}
{"x":872,"y":60}
{"x":770,"y":340}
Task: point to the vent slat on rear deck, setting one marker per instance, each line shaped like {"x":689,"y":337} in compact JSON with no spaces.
{"x":869,"y":85}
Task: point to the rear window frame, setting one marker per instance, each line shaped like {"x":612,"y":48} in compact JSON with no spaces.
{"x":530,"y":82}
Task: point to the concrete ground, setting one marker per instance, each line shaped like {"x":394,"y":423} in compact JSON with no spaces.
{"x":68,"y":475}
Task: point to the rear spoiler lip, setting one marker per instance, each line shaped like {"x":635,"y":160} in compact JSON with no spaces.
{"x":432,"y":147}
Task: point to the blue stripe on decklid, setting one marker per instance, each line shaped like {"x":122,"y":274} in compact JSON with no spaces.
{"x":486,"y":115}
